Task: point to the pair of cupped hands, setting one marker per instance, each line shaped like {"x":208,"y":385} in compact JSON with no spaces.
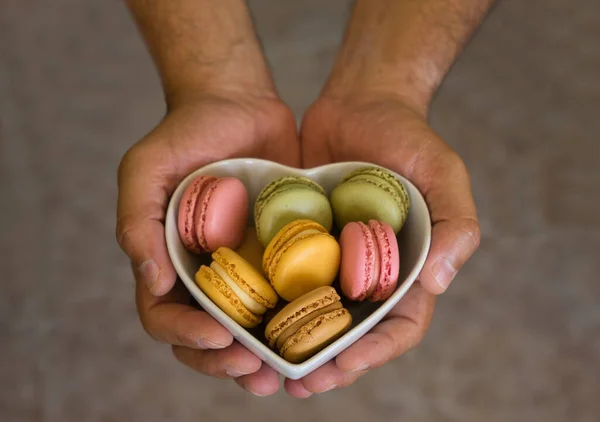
{"x":374,"y":127}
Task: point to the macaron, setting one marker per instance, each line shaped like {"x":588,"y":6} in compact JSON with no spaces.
{"x":287,"y":199}
{"x":308,"y":324}
{"x":251,"y":249}
{"x":370,"y":261}
{"x":301,"y":257}
{"x":236,"y":287}
{"x":370,"y":193}
{"x":213,"y":212}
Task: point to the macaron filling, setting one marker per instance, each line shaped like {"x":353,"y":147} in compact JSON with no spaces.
{"x":279,"y":185}
{"x":304,"y":233}
{"x":373,"y":179}
{"x":187,"y":211}
{"x":218,"y":291}
{"x":300,"y":311}
{"x":306,"y":330}
{"x":201,"y":214}
{"x":292,"y":329}
{"x":285,"y":199}
{"x":272,"y":265}
{"x":388,"y":275}
{"x":252,"y":305}
{"x":372,"y":267}
{"x":379,"y":174}
{"x":284,"y":241}
{"x":380,"y":183}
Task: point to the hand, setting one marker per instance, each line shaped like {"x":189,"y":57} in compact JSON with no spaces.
{"x":386,"y":130}
{"x":212,"y":127}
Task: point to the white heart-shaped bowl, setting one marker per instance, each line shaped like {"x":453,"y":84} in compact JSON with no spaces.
{"x":414,"y":241}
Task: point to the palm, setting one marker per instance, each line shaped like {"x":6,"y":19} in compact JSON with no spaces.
{"x":217,"y":128}
{"x":211,"y":128}
{"x":384,"y":132}
{"x":387,"y":132}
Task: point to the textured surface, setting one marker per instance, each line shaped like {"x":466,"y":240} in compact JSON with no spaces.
{"x":515,"y":339}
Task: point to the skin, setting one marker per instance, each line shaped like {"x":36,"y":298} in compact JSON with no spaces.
{"x":374,"y":107}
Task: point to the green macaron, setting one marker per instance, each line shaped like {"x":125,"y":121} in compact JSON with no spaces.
{"x":370,"y":193}
{"x":287,"y":199}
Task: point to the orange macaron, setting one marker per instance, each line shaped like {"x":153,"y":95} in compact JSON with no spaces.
{"x":301,"y":257}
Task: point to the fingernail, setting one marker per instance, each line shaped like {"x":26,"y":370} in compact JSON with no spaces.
{"x":305,"y":393}
{"x":360,"y":368}
{"x":254,"y":393}
{"x":443,"y":272}
{"x":149,"y":271}
{"x":207,"y":344}
{"x":234,"y":372}
{"x":331,"y":387}
{"x":242,"y":384}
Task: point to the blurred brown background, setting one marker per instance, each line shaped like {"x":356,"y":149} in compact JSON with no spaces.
{"x":516,"y":338}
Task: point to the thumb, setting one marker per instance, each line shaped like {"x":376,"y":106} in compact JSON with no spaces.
{"x":142,"y":202}
{"x":456,"y":234}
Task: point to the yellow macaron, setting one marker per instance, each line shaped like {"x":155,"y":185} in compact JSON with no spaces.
{"x":236,"y":287}
{"x":301,"y":257}
{"x":251,"y":249}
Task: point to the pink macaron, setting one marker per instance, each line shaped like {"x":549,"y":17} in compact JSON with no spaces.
{"x":213,"y":212}
{"x":370,"y":262}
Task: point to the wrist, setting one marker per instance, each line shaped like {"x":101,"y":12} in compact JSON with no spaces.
{"x":364,"y":70}
{"x":355,"y":85}
{"x":241,"y":74}
{"x":201,"y":46}
{"x":402,"y":49}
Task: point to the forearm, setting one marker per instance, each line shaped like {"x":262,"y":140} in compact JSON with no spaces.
{"x":403,"y":46}
{"x":200,"y":45}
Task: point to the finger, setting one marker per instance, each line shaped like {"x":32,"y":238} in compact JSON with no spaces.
{"x":453,"y":242}
{"x":232,"y":362}
{"x":326,"y":378}
{"x":168,"y":320}
{"x":142,"y":203}
{"x":455,"y":234}
{"x":264,"y":382}
{"x":403,"y":329}
{"x":351,"y":378}
{"x":296,"y":389}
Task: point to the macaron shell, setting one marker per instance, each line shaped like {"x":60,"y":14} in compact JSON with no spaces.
{"x":252,"y":250}
{"x":304,"y":305}
{"x":310,"y":262}
{"x":272,"y":313}
{"x":283,"y":236}
{"x":360,"y":263}
{"x":222,"y":215}
{"x":246,"y":277}
{"x":316,"y":335}
{"x":290,"y":205}
{"x":390,"y":261}
{"x":282,"y":183}
{"x":187,"y":208}
{"x":363,"y":201}
{"x":385,"y":176}
{"x":293,"y":328}
{"x":217,"y":291}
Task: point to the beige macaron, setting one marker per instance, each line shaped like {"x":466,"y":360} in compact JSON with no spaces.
{"x":308,"y":324}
